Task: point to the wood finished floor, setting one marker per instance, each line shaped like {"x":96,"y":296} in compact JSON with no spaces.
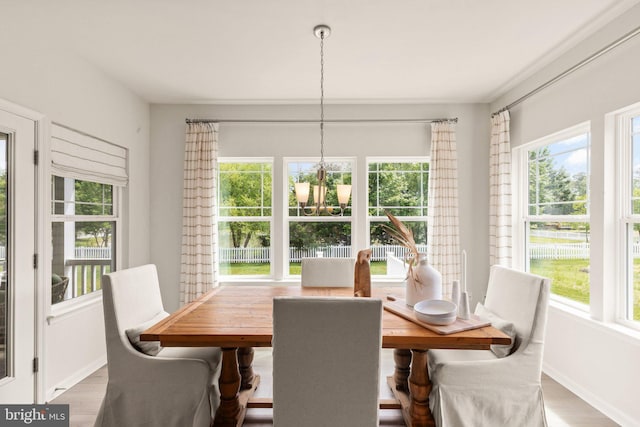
{"x":564,"y":409}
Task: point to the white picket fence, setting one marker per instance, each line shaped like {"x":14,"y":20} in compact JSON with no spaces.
{"x":81,"y":252}
{"x":559,"y":250}
{"x":566,"y":250}
{"x":262,"y":255}
{"x":84,"y":252}
{"x":379,"y":253}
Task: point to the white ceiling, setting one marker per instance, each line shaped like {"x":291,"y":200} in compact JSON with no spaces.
{"x":264,"y":51}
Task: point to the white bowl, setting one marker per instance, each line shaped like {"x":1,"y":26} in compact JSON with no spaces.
{"x":436,"y":311}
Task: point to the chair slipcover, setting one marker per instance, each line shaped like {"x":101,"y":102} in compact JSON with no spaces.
{"x":326,"y":361}
{"x":475,"y":388}
{"x":336,"y":272}
{"x":178,"y":387}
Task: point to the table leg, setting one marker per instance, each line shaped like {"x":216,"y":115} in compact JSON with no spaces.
{"x":402,"y":359}
{"x":229,"y":410}
{"x":245,"y":359}
{"x":420,"y":387}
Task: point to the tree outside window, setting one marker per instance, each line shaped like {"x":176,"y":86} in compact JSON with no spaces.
{"x":318,"y":235}
{"x":245,"y":212}
{"x":629,"y":143}
{"x":83,"y":229}
{"x":557,"y":213}
{"x":400,"y":187}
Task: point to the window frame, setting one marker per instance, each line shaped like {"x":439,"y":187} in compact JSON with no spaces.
{"x":625,"y":216}
{"x":270,"y":219}
{"x":287,"y":219}
{"x":383,"y":218}
{"x":115,"y":218}
{"x":521,"y":216}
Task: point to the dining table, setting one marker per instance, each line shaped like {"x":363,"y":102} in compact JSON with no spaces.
{"x":238,"y":318}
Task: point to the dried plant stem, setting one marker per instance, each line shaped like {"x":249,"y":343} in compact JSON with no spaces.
{"x":404,"y":236}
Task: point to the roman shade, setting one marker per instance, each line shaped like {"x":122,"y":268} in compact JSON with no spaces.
{"x":80,"y":156}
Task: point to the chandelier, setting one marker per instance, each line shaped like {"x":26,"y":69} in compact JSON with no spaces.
{"x":319,"y":205}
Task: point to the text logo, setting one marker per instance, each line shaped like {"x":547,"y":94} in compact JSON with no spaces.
{"x":34,"y":415}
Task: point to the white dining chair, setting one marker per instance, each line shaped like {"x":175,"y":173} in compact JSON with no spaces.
{"x":149,"y":385}
{"x":326,"y":361}
{"x":501,"y":386}
{"x":331,"y":272}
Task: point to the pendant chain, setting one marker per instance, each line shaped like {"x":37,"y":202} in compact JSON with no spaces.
{"x":322,"y":99}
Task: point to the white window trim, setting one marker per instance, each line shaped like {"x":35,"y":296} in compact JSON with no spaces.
{"x":270,"y":219}
{"x":286,"y":218}
{"x":72,"y":305}
{"x":520,"y":211}
{"x":378,"y":218}
{"x":280,"y":214}
{"x":624,"y":213}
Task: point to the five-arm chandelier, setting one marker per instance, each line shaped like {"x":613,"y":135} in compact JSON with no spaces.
{"x":319,"y":205}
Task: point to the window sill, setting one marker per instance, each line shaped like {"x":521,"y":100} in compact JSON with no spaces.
{"x":627,"y":333}
{"x":66,"y":308}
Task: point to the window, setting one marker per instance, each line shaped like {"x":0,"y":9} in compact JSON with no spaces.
{"x":258,"y":239}
{"x":245,"y":216}
{"x":554,"y":209}
{"x":313,"y":235}
{"x":84,"y":221}
{"x":628,"y":135}
{"x":398,"y":186}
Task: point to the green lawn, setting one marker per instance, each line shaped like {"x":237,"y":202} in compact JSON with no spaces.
{"x":537,"y":239}
{"x":569,"y":277}
{"x":87,"y":279}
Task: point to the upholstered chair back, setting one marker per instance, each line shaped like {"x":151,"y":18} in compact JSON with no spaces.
{"x":335,"y":272}
{"x":326,"y":361}
{"x":150,"y":385}
{"x":522,"y":298}
{"x":133,"y":296}
{"x":501,"y":386}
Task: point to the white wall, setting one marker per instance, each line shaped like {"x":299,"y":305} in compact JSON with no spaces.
{"x":283,"y":140}
{"x":73,"y":93}
{"x":584,"y":352}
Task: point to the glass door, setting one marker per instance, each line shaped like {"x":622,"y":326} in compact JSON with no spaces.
{"x":17,"y":249}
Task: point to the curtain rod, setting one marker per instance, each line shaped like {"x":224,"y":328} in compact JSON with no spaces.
{"x":453,"y":120}
{"x":576,"y":67}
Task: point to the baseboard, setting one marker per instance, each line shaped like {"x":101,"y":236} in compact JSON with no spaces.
{"x":75,"y":378}
{"x":597,"y":402}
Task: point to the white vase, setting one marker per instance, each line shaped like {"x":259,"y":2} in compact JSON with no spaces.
{"x":424,"y":283}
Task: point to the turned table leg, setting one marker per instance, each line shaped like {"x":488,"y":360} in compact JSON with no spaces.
{"x":229,"y":410}
{"x":420,"y":387}
{"x":245,"y":360}
{"x":402,"y":359}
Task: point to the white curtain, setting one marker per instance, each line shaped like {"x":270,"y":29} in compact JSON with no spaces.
{"x":500,"y":191}
{"x":198,"y":272}
{"x":444,"y":240}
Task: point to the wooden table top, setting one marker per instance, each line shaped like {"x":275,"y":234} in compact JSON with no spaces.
{"x":241,"y":316}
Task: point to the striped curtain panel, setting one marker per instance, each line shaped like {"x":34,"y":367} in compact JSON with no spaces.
{"x":198,"y":272}
{"x":500,"y":191}
{"x":443,"y":247}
